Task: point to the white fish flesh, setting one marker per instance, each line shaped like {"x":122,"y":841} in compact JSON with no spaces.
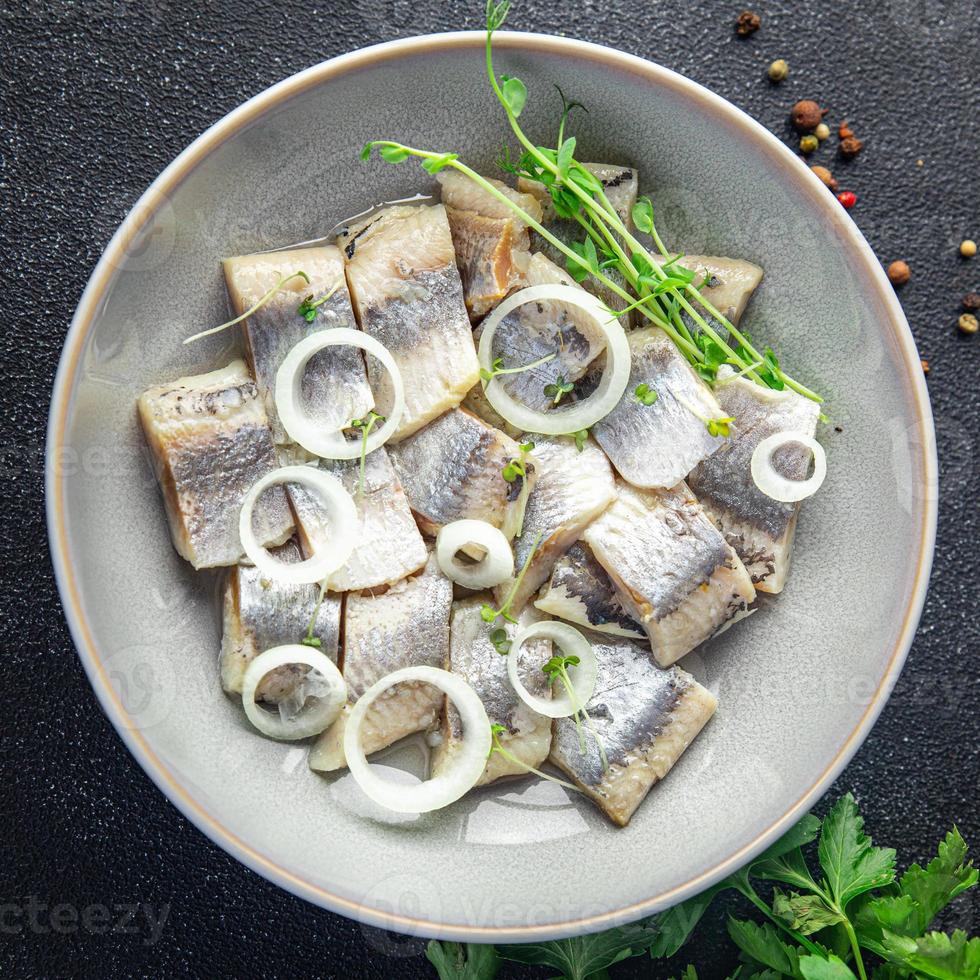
{"x":335,"y":386}
{"x":571,"y":489}
{"x":476,"y":660}
{"x":759,"y":528}
{"x":453,"y":469}
{"x":645,"y":718}
{"x":673,"y":570}
{"x":407,"y":626}
{"x":581,"y":592}
{"x":657,"y":445}
{"x":210,"y":441}
{"x":389,"y":545}
{"x":401,"y":269}
{"x":491,"y":243}
{"x":259,"y":613}
{"x":728,"y":284}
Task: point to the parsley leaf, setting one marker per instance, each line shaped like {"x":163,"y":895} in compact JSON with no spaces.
{"x":806,"y":914}
{"x":463,"y":961}
{"x":831,"y":968}
{"x":936,"y":954}
{"x":762,"y":944}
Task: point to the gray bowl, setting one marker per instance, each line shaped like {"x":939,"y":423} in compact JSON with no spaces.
{"x":800,"y":683}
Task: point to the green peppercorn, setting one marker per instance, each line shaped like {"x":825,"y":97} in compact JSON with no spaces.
{"x":778,"y":70}
{"x":808,"y":144}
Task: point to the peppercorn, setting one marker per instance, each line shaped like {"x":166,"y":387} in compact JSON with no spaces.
{"x":808,"y":144}
{"x":899,"y":273}
{"x":822,"y":132}
{"x":851,"y":146}
{"x":925,"y":365}
{"x":848,"y":199}
{"x":844,"y":131}
{"x":825,"y":175}
{"x":971,"y":302}
{"x":778,"y":70}
{"x":748,"y":23}
{"x":968,"y":323}
{"x":968,"y":248}
{"x":807,"y":115}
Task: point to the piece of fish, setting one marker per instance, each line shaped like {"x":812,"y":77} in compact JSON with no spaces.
{"x":477,"y":403}
{"x":453,"y":469}
{"x":389,"y":545}
{"x":401,"y":269}
{"x":645,"y":718}
{"x":406,"y":626}
{"x":259,"y":613}
{"x":657,"y":445}
{"x":491,"y":243}
{"x":537,"y":330}
{"x":672,"y":568}
{"x":335,"y":385}
{"x":476,"y":660}
{"x":759,"y":528}
{"x":571,"y":489}
{"x":581,"y":592}
{"x":728,"y":284}
{"x":210,"y":441}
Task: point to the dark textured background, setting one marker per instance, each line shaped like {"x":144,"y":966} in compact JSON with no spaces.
{"x":98,"y":97}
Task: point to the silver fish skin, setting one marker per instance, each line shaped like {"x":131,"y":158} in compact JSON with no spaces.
{"x":401,"y":269}
{"x":671,"y":567}
{"x":389,"y":545}
{"x":572,"y":488}
{"x":259,"y":613}
{"x":655,"y":446}
{"x":645,"y":717}
{"x":335,"y":385}
{"x":728,"y":284}
{"x":581,"y":592}
{"x":210,"y":441}
{"x":491,"y":243}
{"x":537,"y":330}
{"x":474,"y":658}
{"x":759,"y":528}
{"x":406,"y":626}
{"x":453,"y":469}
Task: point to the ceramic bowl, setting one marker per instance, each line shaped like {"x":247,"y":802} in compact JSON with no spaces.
{"x":799,"y":684}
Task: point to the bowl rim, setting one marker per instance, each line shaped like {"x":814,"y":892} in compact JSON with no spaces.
{"x":102,"y":278}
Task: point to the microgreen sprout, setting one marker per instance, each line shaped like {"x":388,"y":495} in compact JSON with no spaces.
{"x":365,"y":425}
{"x":501,"y":642}
{"x":716,"y":427}
{"x":558,"y":389}
{"x":497,"y":367}
{"x":556,"y":669}
{"x":280,"y":282}
{"x":310,"y":640}
{"x":489,"y":614}
{"x":645,"y":395}
{"x":308,"y":308}
{"x":514,"y":470}
{"x":580,"y":438}
{"x":496,"y":731}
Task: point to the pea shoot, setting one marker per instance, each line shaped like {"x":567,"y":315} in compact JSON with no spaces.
{"x":490,"y":615}
{"x":497,"y":368}
{"x":557,"y":390}
{"x":496,"y":731}
{"x":365,"y":426}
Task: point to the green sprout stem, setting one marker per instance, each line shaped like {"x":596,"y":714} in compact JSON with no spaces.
{"x":580,"y":709}
{"x":510,"y":757}
{"x":488,"y":376}
{"x":491,"y":615}
{"x":365,"y":425}
{"x":310,"y":640}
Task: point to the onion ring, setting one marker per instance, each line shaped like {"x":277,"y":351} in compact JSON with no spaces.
{"x":773,"y":484}
{"x":495,"y":567}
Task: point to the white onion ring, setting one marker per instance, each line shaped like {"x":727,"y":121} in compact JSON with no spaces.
{"x":310,"y":721}
{"x":583,"y":676}
{"x":467,"y":766}
{"x":289,"y":391}
{"x":496,"y":566}
{"x":773,"y":484}
{"x":341,"y":518}
{"x":582,"y":414}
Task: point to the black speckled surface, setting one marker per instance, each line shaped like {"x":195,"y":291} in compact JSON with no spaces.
{"x":97,"y":98}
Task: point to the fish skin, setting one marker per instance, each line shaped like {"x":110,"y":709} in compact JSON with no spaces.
{"x":407,"y":294}
{"x":210,"y":441}
{"x":453,"y":469}
{"x":335,"y":385}
{"x":491,"y":243}
{"x":645,"y":716}
{"x":581,"y":592}
{"x":389,"y":545}
{"x":474,"y":658}
{"x":406,"y":626}
{"x":655,"y":446}
{"x":759,"y":528}
{"x":672,"y":569}
{"x":734,"y":282}
{"x":537,"y":330}
{"x":572,"y":488}
{"x":260,"y":613}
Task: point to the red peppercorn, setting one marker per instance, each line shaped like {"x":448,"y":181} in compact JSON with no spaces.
{"x":848,"y":199}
